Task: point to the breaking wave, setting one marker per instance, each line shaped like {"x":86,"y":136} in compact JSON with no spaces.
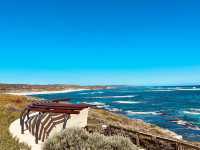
{"x":192,"y":111}
{"x":126,"y":96}
{"x":175,"y":89}
{"x":95,"y":103}
{"x":91,"y":93}
{"x":115,"y":109}
{"x":186,"y":124}
{"x":189,"y":89}
{"x":98,"y":104}
{"x":127,"y":102}
{"x":129,"y":112}
{"x":163,"y":90}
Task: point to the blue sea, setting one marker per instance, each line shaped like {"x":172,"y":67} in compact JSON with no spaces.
{"x":176,"y":108}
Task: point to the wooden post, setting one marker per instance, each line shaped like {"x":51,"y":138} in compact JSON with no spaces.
{"x":137,"y":139}
{"x":154,"y":139}
{"x":67,"y":116}
{"x":22,"y":117}
{"x":33,"y":125}
{"x":178,"y":146}
{"x":38,"y":122}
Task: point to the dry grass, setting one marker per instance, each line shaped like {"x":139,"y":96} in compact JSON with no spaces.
{"x":10,"y":107}
{"x":99,"y":117}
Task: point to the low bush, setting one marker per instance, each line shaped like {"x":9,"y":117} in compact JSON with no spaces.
{"x":79,"y":139}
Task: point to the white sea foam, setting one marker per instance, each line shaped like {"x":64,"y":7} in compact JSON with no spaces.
{"x":175,"y":89}
{"x":165,"y":89}
{"x":180,"y":122}
{"x":98,"y":92}
{"x":98,"y":104}
{"x":115,"y":109}
{"x":194,"y":128}
{"x":126,"y":102}
{"x":189,"y":89}
{"x":95,"y":103}
{"x":103,"y":106}
{"x":125,"y":96}
{"x":162,"y":90}
{"x":186,"y":124}
{"x":129,"y":112}
{"x":193,"y":111}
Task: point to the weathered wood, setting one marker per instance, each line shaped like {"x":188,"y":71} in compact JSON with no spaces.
{"x":33,"y":125}
{"x":153,"y":138}
{"x":43,"y":123}
{"x":65,"y":120}
{"x":178,"y":145}
{"x":27,"y":121}
{"x":137,"y":139}
{"x":39,"y":118}
{"x":22,"y":117}
{"x":53,"y":104}
{"x":53,"y":113}
{"x":53,"y":125}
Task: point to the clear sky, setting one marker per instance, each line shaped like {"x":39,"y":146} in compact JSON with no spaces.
{"x":138,"y":42}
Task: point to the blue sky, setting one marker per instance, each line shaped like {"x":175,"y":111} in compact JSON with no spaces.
{"x":100,"y":42}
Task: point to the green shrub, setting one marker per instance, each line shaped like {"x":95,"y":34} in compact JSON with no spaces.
{"x":79,"y":139}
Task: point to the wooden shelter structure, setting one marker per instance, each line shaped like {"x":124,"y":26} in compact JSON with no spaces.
{"x":42,"y":116}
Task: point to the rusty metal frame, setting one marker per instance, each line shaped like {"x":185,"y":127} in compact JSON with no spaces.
{"x":55,"y":113}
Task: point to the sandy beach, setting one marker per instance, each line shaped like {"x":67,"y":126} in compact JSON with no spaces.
{"x":45,"y":92}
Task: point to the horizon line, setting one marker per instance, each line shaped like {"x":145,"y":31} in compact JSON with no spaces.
{"x":170,"y":84}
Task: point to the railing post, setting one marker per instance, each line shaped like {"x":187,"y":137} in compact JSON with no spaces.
{"x":178,"y":146}
{"x":137,"y":140}
{"x":22,"y":117}
{"x":38,"y":122}
{"x":67,"y":116}
{"x":154,"y":139}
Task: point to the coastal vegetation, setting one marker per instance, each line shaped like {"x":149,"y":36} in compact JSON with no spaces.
{"x":80,"y":139}
{"x":10,"y":108}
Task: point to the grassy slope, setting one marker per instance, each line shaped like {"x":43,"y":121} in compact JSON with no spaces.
{"x":98,"y":117}
{"x":10,"y":107}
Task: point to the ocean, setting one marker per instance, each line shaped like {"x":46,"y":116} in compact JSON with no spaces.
{"x":176,"y":108}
